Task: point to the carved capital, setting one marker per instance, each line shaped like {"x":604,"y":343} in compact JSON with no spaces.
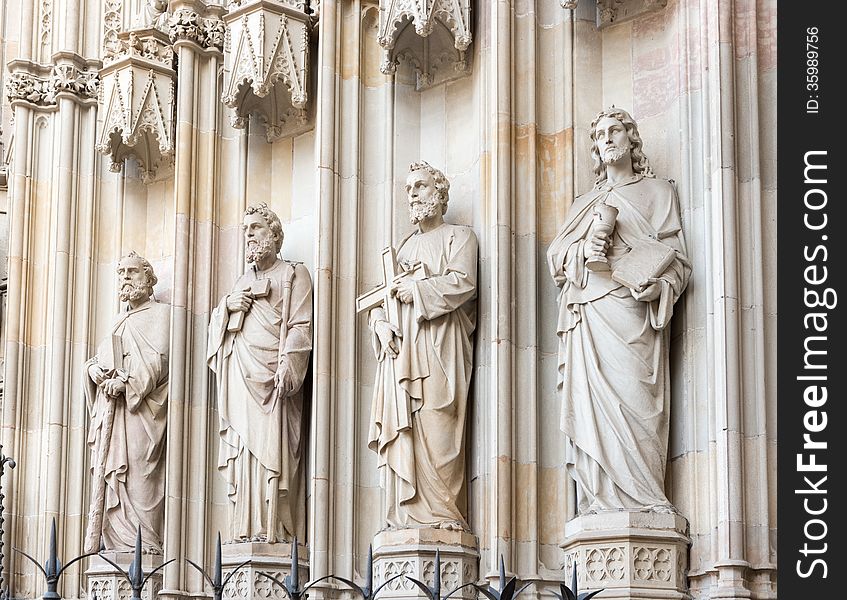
{"x":214,"y":30}
{"x":185,"y":24}
{"x":445,"y":25}
{"x":70,"y":79}
{"x":188,"y":25}
{"x":32,"y":88}
{"x":570,"y":4}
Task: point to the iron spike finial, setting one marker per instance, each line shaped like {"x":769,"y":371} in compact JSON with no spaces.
{"x":436,"y":577}
{"x":502,"y":574}
{"x":53,"y":565}
{"x":369,"y":571}
{"x":295,"y":568}
{"x":217,"y":582}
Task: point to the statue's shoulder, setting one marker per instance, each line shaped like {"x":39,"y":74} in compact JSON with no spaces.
{"x":301,"y":271}
{"x":658,"y":185}
{"x":160,"y":312}
{"x":463,"y":232}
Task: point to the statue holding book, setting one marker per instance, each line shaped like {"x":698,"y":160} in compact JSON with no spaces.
{"x":620,"y":263}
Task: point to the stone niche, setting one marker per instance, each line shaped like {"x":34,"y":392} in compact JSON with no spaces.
{"x":433,"y":35}
{"x":137,"y":100}
{"x":266,"y":65}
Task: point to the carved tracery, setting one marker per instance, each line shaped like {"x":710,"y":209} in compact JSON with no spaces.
{"x":266,"y":65}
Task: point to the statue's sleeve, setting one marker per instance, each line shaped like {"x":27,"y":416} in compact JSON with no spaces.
{"x":444,"y":293}
{"x":217,"y":330}
{"x":675,"y":278}
{"x":565,"y":256}
{"x":148,"y":363}
{"x":294,"y":357}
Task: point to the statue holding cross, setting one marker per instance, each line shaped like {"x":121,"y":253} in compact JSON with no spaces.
{"x":423,"y":316}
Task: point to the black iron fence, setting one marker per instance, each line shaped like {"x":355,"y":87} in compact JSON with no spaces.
{"x":53,"y":569}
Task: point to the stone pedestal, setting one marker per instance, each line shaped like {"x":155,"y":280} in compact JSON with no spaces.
{"x":105,"y":582}
{"x":412,"y":552}
{"x":629,"y":554}
{"x":273,"y":559}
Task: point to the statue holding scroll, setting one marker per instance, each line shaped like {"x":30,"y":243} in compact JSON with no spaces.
{"x":620,"y":261}
{"x":126,"y":390}
{"x":422,"y":319}
{"x":260,"y":339}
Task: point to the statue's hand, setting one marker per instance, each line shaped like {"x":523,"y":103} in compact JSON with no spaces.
{"x":596,"y":244}
{"x":114,"y":387}
{"x":648,"y":294}
{"x":388,"y":335}
{"x":97,"y":374}
{"x":239,"y":301}
{"x":282,"y":379}
{"x":404,"y":290}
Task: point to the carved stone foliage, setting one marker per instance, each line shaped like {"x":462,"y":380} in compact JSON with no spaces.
{"x":610,"y":12}
{"x":266,"y":65}
{"x":39,"y":85}
{"x":30,"y":87}
{"x":138,"y":102}
{"x":187,"y":25}
{"x":433,"y":35}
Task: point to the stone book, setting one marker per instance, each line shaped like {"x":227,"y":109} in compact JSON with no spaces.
{"x":644,"y":263}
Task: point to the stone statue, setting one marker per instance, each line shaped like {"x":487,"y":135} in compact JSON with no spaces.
{"x":126,"y":389}
{"x":153,"y":14}
{"x":260,"y":339}
{"x":422,"y":322}
{"x":613,"y":323}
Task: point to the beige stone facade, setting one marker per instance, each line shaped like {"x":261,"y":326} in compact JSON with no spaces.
{"x":506,"y":118}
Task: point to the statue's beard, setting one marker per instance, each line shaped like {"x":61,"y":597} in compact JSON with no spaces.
{"x":420,"y":211}
{"x":131,"y":292}
{"x":613,"y":154}
{"x":258,"y":249}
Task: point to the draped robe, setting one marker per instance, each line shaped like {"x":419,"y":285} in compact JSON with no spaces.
{"x":261,"y":431}
{"x":613,"y":350}
{"x":421,"y":455}
{"x":135,"y":464}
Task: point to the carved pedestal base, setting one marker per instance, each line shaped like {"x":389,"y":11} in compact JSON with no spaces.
{"x":629,"y":554}
{"x":273,"y":559}
{"x":105,"y":582}
{"x":412,"y":552}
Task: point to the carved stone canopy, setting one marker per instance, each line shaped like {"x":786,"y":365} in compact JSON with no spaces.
{"x":137,"y":102}
{"x":433,"y":35}
{"x":266,"y":65}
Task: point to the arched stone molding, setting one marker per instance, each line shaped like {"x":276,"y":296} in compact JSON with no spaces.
{"x":434,"y":35}
{"x":266,"y":65}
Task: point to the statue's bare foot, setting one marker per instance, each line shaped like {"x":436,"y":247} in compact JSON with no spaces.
{"x":450,"y":526}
